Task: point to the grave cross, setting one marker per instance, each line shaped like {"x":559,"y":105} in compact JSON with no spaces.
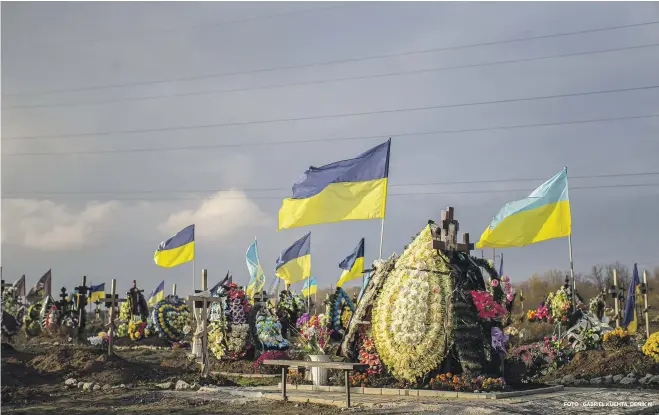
{"x":448,"y":235}
{"x":204,"y":300}
{"x":111,"y":301}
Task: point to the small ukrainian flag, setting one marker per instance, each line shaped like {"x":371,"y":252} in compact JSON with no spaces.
{"x":177,"y":249}
{"x":97,"y":292}
{"x":294,"y":264}
{"x":158,"y":294}
{"x":310,"y":287}
{"x":353,"y":265}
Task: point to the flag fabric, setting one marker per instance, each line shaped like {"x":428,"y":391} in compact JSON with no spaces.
{"x":501,"y":266}
{"x":20,"y":286}
{"x":364,"y":285}
{"x":176,"y":250}
{"x":158,"y":294}
{"x":97,"y":292}
{"x":353,"y":265}
{"x":631,"y":321}
{"x":310,"y":287}
{"x":344,"y":190}
{"x":41,"y":289}
{"x":257,"y":277}
{"x":294,"y":264}
{"x":544,"y":214}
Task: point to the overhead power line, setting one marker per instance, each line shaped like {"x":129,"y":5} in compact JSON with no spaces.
{"x":323,"y":81}
{"x":324,"y":63}
{"x":402,"y":185}
{"x":331,"y":116}
{"x":171,"y":198}
{"x":295,"y":142}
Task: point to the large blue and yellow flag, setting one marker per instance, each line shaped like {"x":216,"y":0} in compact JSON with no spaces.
{"x":158,"y":294}
{"x":177,"y":249}
{"x":310,"y":287}
{"x":631,"y":321}
{"x":344,"y":190}
{"x":294,"y":264}
{"x":544,"y":214}
{"x":353,"y":265}
{"x":97,"y":292}
{"x":257,"y":277}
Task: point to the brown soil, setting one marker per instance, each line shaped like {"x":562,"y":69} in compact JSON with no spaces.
{"x":597,"y":363}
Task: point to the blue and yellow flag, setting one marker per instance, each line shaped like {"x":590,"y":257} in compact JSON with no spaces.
{"x":353,"y":265}
{"x":310,"y":287}
{"x":294,"y":264}
{"x":631,"y":321}
{"x":257,"y":277}
{"x":97,"y":292}
{"x":544,"y":214}
{"x":177,"y":249}
{"x":344,"y":190}
{"x":158,"y":294}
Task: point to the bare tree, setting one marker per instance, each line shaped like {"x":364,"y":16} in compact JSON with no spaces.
{"x":598,"y":277}
{"x":623,"y":275}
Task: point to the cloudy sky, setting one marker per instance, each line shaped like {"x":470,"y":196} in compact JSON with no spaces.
{"x":137,"y":119}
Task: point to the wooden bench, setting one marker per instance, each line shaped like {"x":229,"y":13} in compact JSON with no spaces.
{"x":346,"y":367}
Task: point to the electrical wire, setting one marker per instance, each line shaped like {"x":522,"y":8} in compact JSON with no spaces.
{"x":329,"y":62}
{"x":332,"y":116}
{"x":322,"y":81}
{"x":217,"y":193}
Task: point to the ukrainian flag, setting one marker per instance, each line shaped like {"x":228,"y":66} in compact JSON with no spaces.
{"x":631,"y":321}
{"x":344,"y":190}
{"x":544,"y":214}
{"x":177,"y":249}
{"x":158,"y":294}
{"x":353,"y":265}
{"x":294,"y":264}
{"x":257,"y":277}
{"x":310,"y":287}
{"x":97,"y":292}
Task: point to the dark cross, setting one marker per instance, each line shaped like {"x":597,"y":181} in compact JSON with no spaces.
{"x":82,"y":303}
{"x":64,"y":303}
{"x":97,"y":311}
{"x":448,"y":236}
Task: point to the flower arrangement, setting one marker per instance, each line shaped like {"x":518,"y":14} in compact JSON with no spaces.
{"x":237,"y":341}
{"x":543,"y":357}
{"x":124,"y":311}
{"x":9,"y":302}
{"x":31,"y":320}
{"x":314,"y":336}
{"x":340,"y":303}
{"x":616,"y":339}
{"x":136,"y":331}
{"x":488,"y":309}
{"x":448,"y":381}
{"x":169,"y":317}
{"x":541,"y":314}
{"x":651,"y":346}
{"x":216,"y":340}
{"x":345,"y":317}
{"x":268,"y":330}
{"x":51,"y":322}
{"x":508,"y":289}
{"x":360,"y":379}
{"x":559,"y":304}
{"x":269,"y":355}
{"x":237,"y":307}
{"x":293,"y":303}
{"x":368,"y":354}
{"x":122,"y":330}
{"x":597,"y":305}
{"x":409,"y":316}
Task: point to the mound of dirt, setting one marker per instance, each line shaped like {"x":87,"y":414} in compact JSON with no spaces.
{"x":597,"y":363}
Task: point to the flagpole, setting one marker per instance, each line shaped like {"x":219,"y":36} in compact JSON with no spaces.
{"x":574,"y":283}
{"x":308,"y":293}
{"x":386,"y":193}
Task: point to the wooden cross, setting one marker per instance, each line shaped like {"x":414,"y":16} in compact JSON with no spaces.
{"x":448,"y":235}
{"x":111,"y":302}
{"x":204,"y":300}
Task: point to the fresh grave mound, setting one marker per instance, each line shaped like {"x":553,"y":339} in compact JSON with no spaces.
{"x":93,"y":365}
{"x":155,"y":341}
{"x":598,"y":363}
{"x":16,"y":373}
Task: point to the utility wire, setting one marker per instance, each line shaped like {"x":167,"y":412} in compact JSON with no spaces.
{"x":329,"y":62}
{"x":446,"y":183}
{"x":332,"y":116}
{"x":388,"y":194}
{"x":264,"y":143}
{"x":322,"y":81}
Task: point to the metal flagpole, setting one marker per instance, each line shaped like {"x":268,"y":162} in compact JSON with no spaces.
{"x":574,"y":283}
{"x":309,"y":294}
{"x":386,"y":191}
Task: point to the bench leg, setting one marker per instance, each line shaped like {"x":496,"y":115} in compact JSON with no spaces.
{"x":284,"y":373}
{"x":347,"y":377}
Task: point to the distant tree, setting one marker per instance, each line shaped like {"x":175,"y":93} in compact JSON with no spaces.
{"x":598,"y":277}
{"x":623,"y":276}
